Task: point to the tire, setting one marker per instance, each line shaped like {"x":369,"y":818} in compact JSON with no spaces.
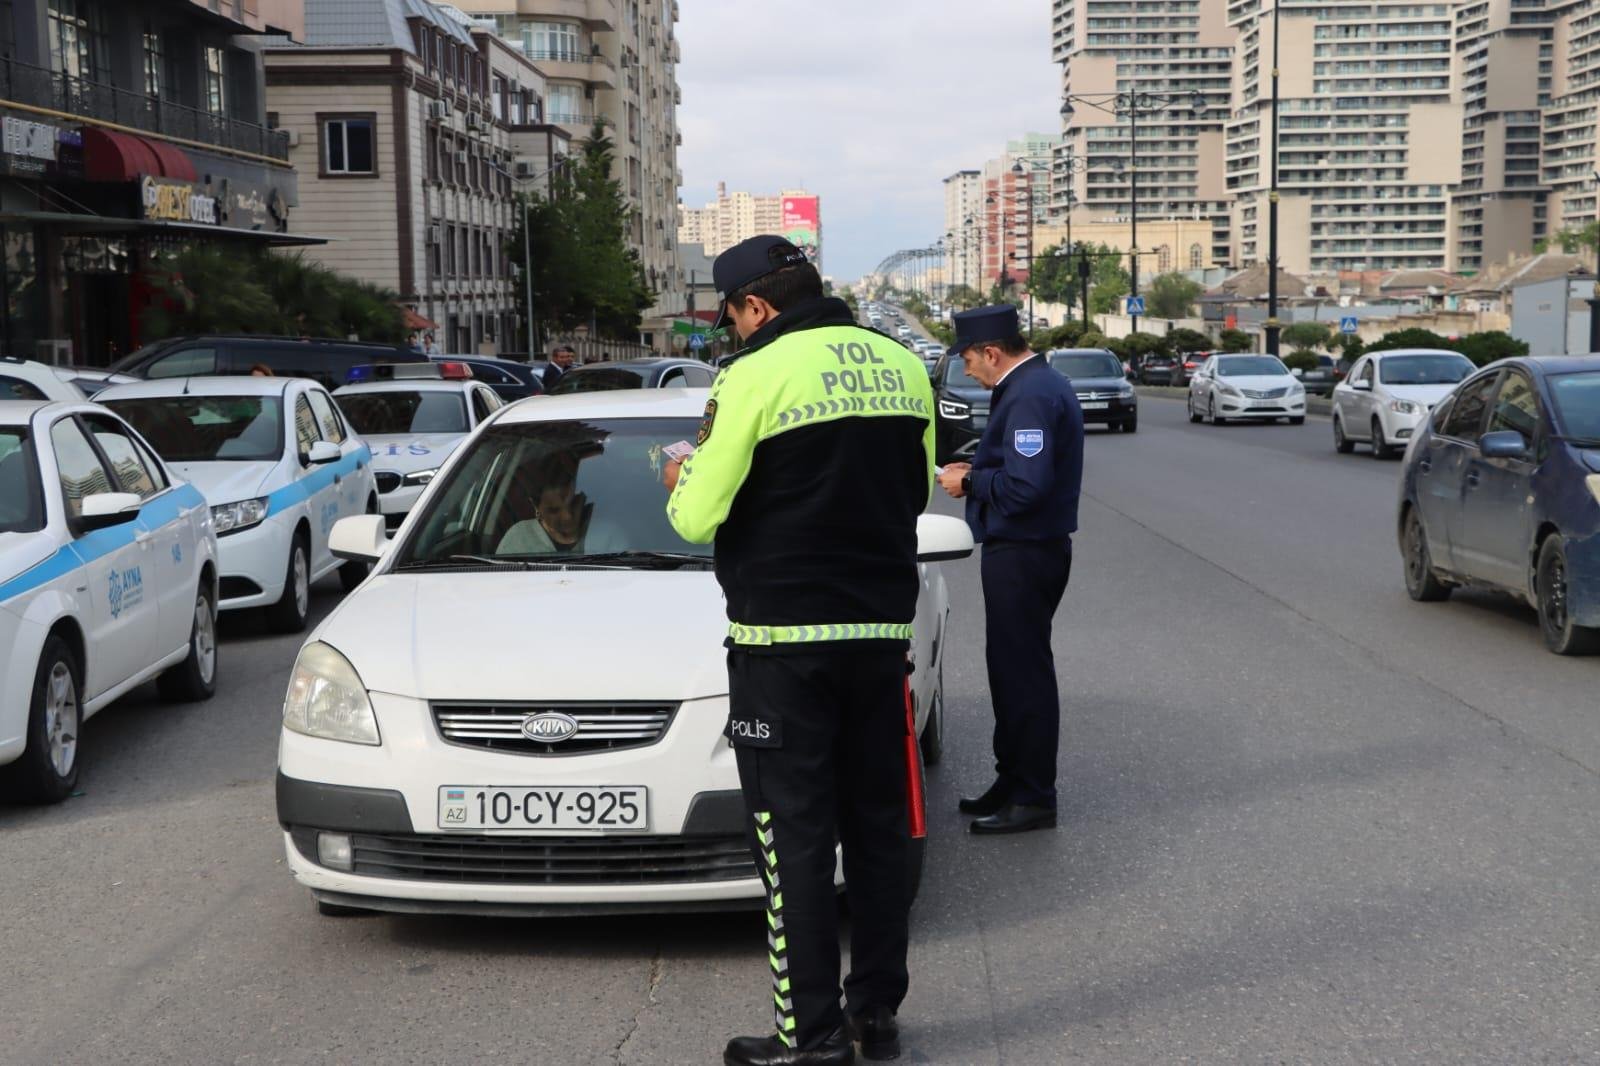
{"x":47,"y":770}
{"x":1560,"y":634}
{"x":195,"y":678}
{"x":1380,"y":448}
{"x":1341,"y":443}
{"x":1216,"y":419}
{"x":352,"y":574}
{"x":1297,"y":420}
{"x":339,"y":910}
{"x":1193,"y":417}
{"x":932,"y":740}
{"x":293,"y":609}
{"x":1131,"y":426}
{"x":1422,"y":584}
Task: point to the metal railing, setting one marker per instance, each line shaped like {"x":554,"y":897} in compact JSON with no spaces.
{"x":24,"y":83}
{"x":570,"y":119}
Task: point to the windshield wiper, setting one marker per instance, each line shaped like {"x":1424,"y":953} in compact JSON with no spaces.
{"x":661,"y":559}
{"x":456,"y":562}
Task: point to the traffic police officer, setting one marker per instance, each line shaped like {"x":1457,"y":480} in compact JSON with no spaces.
{"x":814,"y":460}
{"x":1022,"y":504}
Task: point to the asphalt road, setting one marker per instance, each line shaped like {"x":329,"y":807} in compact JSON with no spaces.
{"x":1303,"y":820}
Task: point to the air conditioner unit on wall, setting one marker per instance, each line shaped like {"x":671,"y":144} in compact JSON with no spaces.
{"x":524,"y":170}
{"x":292,"y":138}
{"x":438,"y":109}
{"x":461,"y":158}
{"x":435,"y":234}
{"x":474,"y":121}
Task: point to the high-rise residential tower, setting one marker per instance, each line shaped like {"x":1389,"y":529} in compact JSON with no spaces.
{"x":1572,"y":116}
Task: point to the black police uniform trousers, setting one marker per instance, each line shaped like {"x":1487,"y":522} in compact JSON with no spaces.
{"x":820,"y":742}
{"x":1023,"y":582}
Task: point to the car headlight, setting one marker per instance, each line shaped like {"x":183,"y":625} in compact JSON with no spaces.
{"x":327,"y":699}
{"x":1125,"y":392}
{"x":232,"y":517}
{"x":421,"y":477}
{"x":1404,"y":407}
{"x":1229,"y":389}
{"x":954,"y":409}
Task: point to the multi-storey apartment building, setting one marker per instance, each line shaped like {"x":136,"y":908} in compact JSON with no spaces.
{"x":615,"y":62}
{"x":1570,"y":161}
{"x":1109,"y":47}
{"x":402,"y":121}
{"x":127,"y":130}
{"x":737,"y":216}
{"x":963,"y":227}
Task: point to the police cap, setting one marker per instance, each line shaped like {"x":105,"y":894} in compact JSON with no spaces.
{"x":983,"y":325}
{"x":746,"y":262}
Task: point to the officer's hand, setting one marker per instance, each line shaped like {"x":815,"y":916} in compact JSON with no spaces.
{"x":669,"y":473}
{"x":950,"y":478}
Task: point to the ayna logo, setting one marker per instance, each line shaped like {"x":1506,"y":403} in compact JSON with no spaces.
{"x":124,"y":589}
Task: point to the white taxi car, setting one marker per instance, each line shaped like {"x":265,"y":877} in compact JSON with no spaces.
{"x":1245,"y":388}
{"x":24,"y":379}
{"x":522,"y":710}
{"x":1388,"y":394}
{"x":279,"y":466}
{"x":412,"y":416}
{"x":107,"y":579}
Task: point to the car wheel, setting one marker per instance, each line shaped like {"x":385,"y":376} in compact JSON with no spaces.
{"x":1193,"y":415}
{"x":1422,"y":584}
{"x":1130,"y":425}
{"x":195,"y":678}
{"x":1341,"y":443}
{"x":290,"y":613}
{"x":1380,"y":448}
{"x":353,"y":573}
{"x":47,"y":770}
{"x":1216,"y":419}
{"x":1555,"y":620}
{"x":932,"y":739}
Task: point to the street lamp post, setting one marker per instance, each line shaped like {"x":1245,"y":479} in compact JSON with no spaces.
{"x":527,"y":247}
{"x":1271,"y":327}
{"x":1594,"y":296}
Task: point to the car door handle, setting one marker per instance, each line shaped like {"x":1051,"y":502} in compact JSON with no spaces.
{"x":143,"y":538}
{"x":1425,"y":466}
{"x":1473,"y":479}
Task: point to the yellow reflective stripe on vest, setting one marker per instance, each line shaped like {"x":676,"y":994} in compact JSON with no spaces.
{"x":764,"y":635}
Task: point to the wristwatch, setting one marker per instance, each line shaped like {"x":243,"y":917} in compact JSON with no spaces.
{"x":966,"y":483}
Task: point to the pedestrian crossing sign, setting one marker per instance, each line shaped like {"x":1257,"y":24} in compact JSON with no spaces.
{"x":1136,"y":305}
{"x":1347,"y":324}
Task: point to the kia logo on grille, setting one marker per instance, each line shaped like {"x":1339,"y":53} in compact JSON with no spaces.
{"x":549,"y":727}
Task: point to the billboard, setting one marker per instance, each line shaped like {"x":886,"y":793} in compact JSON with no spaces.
{"x":802,"y":224}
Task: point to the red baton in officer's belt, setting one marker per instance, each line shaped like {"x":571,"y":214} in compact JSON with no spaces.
{"x":916,"y":806}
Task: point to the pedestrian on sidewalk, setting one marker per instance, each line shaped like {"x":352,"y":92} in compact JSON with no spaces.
{"x":1022,"y":491}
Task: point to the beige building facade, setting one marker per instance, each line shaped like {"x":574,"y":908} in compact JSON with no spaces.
{"x":1572,"y":116}
{"x":1165,"y":244}
{"x":963,"y":215}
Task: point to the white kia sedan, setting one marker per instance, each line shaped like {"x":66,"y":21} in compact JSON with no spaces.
{"x":278,"y":465}
{"x":1245,"y":388}
{"x":1387,"y":395}
{"x":522,"y":709}
{"x":108,"y":578}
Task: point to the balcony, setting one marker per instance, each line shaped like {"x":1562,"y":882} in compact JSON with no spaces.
{"x":596,"y":14}
{"x":91,"y":100}
{"x":594,"y":70}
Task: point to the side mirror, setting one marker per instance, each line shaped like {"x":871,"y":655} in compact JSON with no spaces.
{"x":101,"y":510}
{"x":322,"y":452}
{"x":360,"y":538}
{"x":1503,"y":444}
{"x":939,"y":537}
{"x":1361,"y":386}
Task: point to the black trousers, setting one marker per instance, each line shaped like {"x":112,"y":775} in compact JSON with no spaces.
{"x":820,"y":742}
{"x":1023,"y":582}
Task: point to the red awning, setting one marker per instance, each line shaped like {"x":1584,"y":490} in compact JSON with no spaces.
{"x":111,"y":156}
{"x":415,"y":321}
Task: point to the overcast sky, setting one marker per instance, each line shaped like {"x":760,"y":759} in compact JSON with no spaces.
{"x":869,"y":104}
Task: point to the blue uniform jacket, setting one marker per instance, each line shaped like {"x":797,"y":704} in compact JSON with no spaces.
{"x":1028,"y":469}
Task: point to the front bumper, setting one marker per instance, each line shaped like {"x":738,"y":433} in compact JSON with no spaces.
{"x":959,"y":437}
{"x":1400,"y":426}
{"x":1108,"y":409}
{"x":1272,"y":407}
{"x":253,"y":563}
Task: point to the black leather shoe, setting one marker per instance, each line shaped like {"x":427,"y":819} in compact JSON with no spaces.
{"x":878,"y":1033}
{"x":835,"y":1050}
{"x":988,"y":803}
{"x":1015,"y":818}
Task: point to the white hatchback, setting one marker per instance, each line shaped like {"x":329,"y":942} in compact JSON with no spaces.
{"x":1245,"y":388}
{"x":1387,"y":395}
{"x":522,"y":710}
{"x":107,"y":579}
{"x":279,"y":466}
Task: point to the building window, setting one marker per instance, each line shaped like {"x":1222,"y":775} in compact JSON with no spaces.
{"x":450,"y":253}
{"x":1164,"y":258}
{"x":1196,"y":256}
{"x":216,"y":96}
{"x":78,"y":40}
{"x":433,"y":154}
{"x":551,"y":40}
{"x":155,"y":63}
{"x":347,"y":145}
{"x":565,"y":103}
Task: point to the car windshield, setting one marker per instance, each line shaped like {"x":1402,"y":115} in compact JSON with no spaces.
{"x":1249,"y":366}
{"x":956,"y":376}
{"x":21,"y":503}
{"x":1424,"y":369}
{"x":1089,"y":365}
{"x":554,"y":491}
{"x":421,"y":411}
{"x":1577,"y":398}
{"x":197,"y":429}
{"x":598,"y":379}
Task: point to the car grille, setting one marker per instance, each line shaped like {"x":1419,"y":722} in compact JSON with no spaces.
{"x":601,"y":726}
{"x":387,"y":480}
{"x":639,"y":860}
{"x":1099,"y":395}
{"x":1265,"y":394}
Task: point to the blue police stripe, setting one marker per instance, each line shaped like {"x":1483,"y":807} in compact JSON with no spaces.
{"x":315,"y":481}
{"x":82,"y":551}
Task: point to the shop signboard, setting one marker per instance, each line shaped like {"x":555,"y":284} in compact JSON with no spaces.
{"x":28,"y":147}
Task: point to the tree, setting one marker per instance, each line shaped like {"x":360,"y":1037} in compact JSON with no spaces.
{"x":1306,"y":334}
{"x":1108,"y":282}
{"x":1408,"y":338}
{"x":1188,"y":340}
{"x":1235,"y":340}
{"x":1066,"y":335}
{"x":1485,"y":348}
{"x":1302,"y":359}
{"x":963,"y":297}
{"x":1135,"y":346}
{"x":1572,"y":241}
{"x":1055,"y":277}
{"x":1349,"y":347}
{"x":1171,"y":295}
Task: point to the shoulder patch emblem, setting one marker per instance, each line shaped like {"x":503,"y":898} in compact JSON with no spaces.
{"x":1028,"y":442}
{"x":706,"y":422}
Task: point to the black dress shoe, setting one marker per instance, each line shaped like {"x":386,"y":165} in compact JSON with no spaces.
{"x":988,"y":803}
{"x":835,"y":1050}
{"x":878,"y":1033}
{"x":1015,"y":818}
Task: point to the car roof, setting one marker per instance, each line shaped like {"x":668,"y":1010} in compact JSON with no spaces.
{"x":1414,"y":351}
{"x":409,"y":385}
{"x":1558,"y":364}
{"x":1081,"y":351}
{"x":641,"y":364}
{"x":622,"y":403}
{"x":20,"y":412}
{"x":234,"y":385}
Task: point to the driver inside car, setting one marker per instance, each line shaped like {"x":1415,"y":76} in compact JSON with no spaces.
{"x":563,"y":521}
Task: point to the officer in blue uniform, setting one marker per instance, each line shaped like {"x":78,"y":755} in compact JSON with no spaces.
{"x":1022,"y":491}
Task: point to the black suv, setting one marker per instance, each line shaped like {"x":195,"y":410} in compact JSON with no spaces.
{"x":324,"y":361}
{"x":963,"y":410}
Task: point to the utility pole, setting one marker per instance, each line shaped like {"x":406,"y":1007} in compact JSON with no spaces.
{"x":1271,"y":327}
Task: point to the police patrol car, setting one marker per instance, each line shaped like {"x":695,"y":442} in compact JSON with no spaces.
{"x":279,"y":466}
{"x":454,"y":775}
{"x":107,"y":579}
{"x":412,"y":416}
{"x":24,"y":379}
